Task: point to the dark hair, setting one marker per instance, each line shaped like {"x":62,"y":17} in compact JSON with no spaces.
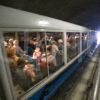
{"x":21,"y":62}
{"x":49,"y":48}
{"x":68,"y":35}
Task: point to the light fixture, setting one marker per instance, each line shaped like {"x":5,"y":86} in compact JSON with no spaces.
{"x":43,"y":23}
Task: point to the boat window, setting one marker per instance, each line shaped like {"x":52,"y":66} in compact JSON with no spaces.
{"x":55,"y":50}
{"x":84,"y":41}
{"x":24,"y":52}
{"x":73,"y":45}
{"x":32,"y":56}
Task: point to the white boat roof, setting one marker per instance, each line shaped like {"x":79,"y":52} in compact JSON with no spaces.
{"x":13,"y":18}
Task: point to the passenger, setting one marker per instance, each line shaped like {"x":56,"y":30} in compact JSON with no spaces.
{"x":48,"y":58}
{"x":77,"y":37}
{"x":77,"y":42}
{"x":55,"y":50}
{"x":51,"y":40}
{"x":28,"y":70}
{"x":83,"y":41}
{"x":21,"y":63}
{"x":70,"y":47}
{"x":44,"y":45}
{"x":10,"y":42}
{"x":12,"y":58}
{"x":59,"y":56}
{"x":18,"y":50}
{"x":11,"y":53}
{"x":60,"y":45}
{"x":45,"y":39}
{"x":37,"y":57}
{"x":21,"y":77}
{"x":31,"y":47}
{"x":21,"y":43}
{"x":85,"y":37}
{"x":69,"y":40}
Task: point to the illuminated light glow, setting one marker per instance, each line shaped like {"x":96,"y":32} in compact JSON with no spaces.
{"x":42,"y":29}
{"x":98,"y":37}
{"x":43,"y":23}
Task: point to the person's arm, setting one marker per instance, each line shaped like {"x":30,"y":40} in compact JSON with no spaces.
{"x":21,"y":50}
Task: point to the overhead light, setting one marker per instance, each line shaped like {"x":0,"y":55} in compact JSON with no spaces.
{"x":43,"y":23}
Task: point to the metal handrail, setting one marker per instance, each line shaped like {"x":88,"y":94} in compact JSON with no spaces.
{"x":96,"y":84}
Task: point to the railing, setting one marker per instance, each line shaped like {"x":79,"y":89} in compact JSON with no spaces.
{"x":95,"y":95}
{"x":95,"y":90}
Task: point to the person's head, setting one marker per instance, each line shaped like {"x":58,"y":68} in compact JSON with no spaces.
{"x":10,"y":42}
{"x":37,"y":49}
{"x":15,"y":42}
{"x":77,"y":36}
{"x":60,"y":41}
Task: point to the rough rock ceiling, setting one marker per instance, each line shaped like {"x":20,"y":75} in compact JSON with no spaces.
{"x":82,"y":12}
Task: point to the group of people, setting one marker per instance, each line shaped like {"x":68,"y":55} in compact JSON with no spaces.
{"x":16,"y":61}
{"x":36,"y":54}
